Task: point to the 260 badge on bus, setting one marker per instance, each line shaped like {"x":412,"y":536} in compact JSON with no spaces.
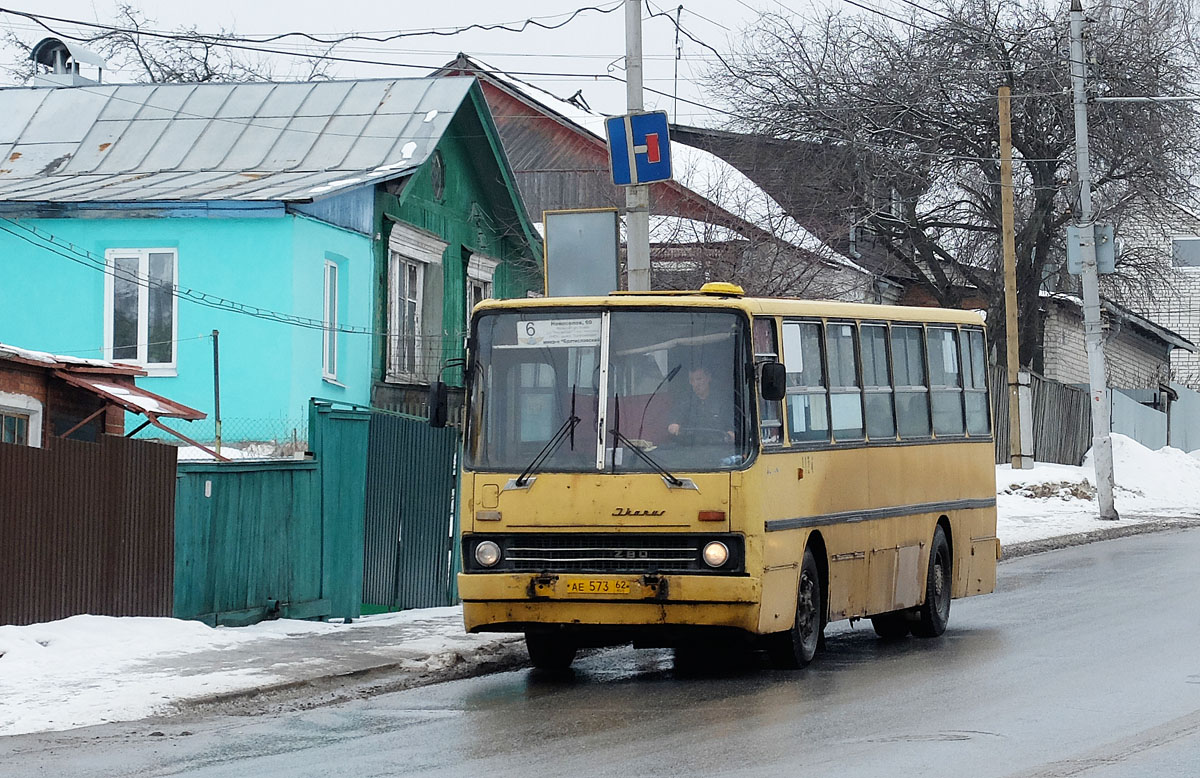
{"x":612,"y":586}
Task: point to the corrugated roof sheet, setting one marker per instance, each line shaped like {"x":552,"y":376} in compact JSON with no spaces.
{"x":187,"y":142}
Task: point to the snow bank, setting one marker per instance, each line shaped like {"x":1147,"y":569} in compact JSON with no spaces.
{"x":1052,"y":500}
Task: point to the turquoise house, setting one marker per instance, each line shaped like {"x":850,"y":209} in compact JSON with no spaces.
{"x":333,"y":234}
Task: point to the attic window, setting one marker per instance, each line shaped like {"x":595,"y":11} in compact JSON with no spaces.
{"x":437,"y":175}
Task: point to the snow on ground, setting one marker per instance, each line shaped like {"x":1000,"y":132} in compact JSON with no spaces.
{"x":1052,"y":500}
{"x":87,"y":670}
{"x":93,"y":669}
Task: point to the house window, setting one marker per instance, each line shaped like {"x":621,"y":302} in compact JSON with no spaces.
{"x":20,"y":420}
{"x":1185,"y":252}
{"x":140,"y":321}
{"x":408,"y":282}
{"x":480,"y":272}
{"x":330,"y":323}
{"x":415,"y":301}
{"x":14,"y":427}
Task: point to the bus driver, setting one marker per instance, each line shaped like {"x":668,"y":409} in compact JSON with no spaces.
{"x":702,"y":412}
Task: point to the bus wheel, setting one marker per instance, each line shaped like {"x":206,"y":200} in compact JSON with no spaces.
{"x":549,"y":651}
{"x":891,"y":626}
{"x":933,"y":614}
{"x":797,"y":647}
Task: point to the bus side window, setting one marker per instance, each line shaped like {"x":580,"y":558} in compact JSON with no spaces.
{"x":912,"y":396}
{"x":766,"y":348}
{"x":877,"y":385}
{"x":974,"y":355}
{"x":807,"y":398}
{"x":845,"y":393}
{"x":945,"y":382}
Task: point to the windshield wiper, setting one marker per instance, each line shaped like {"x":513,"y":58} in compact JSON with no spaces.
{"x":620,"y":438}
{"x":565,"y":430}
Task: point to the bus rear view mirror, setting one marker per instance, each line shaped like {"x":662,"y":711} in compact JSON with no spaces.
{"x":439,"y":404}
{"x":774,"y":381}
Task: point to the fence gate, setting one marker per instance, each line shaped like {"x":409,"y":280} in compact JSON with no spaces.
{"x":411,"y":477}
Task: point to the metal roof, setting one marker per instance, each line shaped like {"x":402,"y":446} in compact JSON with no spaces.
{"x":188,"y":142}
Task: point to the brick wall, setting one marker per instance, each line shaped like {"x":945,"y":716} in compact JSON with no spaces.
{"x":1176,"y":303}
{"x":63,"y":405}
{"x":1133,"y":360}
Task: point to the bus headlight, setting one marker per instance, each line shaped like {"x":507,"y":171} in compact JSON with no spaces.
{"x":715,"y":554}
{"x":487,"y":553}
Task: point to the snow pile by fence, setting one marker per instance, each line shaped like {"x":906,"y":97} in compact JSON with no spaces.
{"x":1162,"y":483}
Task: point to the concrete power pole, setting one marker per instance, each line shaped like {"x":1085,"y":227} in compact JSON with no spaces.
{"x":1097,"y":374}
{"x":637,"y":198}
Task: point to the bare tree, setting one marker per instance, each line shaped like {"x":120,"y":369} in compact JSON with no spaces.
{"x":183,"y":56}
{"x":746,"y":238}
{"x":911,"y":107}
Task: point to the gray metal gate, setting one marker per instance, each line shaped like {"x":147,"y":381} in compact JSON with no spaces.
{"x":411,"y":478}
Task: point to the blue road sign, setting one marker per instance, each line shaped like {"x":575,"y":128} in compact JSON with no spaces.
{"x":638,"y":148}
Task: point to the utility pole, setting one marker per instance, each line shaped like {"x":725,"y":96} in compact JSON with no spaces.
{"x":637,"y":198}
{"x":1094,"y":336}
{"x":1019,"y":438}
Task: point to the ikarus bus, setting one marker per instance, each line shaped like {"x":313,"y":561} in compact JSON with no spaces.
{"x":658,"y":468}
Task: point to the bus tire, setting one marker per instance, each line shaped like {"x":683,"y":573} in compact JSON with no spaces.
{"x":549,"y":650}
{"x":891,"y":626}
{"x":934,"y":613}
{"x":796,"y":647}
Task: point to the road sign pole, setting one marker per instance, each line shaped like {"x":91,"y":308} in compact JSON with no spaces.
{"x":637,"y":198}
{"x":1102,"y":455}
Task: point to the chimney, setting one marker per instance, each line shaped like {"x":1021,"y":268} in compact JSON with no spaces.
{"x":59,"y":63}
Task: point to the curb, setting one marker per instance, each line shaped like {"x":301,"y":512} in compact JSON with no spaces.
{"x":1018,"y":550}
{"x":347,"y":685}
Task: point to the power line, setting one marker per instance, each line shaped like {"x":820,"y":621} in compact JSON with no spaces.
{"x":85,"y":258}
{"x":198,"y":37}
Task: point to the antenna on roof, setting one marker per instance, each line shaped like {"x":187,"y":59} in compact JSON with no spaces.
{"x":60,"y":61}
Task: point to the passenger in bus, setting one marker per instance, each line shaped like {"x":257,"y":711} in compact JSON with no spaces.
{"x":702,"y":416}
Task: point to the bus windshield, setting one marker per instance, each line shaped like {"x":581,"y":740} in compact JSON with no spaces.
{"x":676,"y":385}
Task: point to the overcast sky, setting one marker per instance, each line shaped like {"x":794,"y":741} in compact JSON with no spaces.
{"x":591,"y":44}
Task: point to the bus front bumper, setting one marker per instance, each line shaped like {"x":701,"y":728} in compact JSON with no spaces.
{"x":511,"y":602}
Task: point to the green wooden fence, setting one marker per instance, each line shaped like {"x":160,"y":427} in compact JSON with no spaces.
{"x":275,"y":537}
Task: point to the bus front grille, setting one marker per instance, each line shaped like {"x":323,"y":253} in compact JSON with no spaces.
{"x":603,"y":553}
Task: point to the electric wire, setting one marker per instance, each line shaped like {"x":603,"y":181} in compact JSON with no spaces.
{"x":69,"y":251}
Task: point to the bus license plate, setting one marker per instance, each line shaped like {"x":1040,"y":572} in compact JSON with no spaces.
{"x":615,"y":587}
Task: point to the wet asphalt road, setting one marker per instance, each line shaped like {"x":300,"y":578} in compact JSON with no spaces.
{"x":1086,"y":662}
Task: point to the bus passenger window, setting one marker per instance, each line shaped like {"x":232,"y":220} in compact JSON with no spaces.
{"x":766,"y":348}
{"x":945,"y":382}
{"x":975,"y":379}
{"x":912,"y":398}
{"x":877,"y":386}
{"x":807,"y":409}
{"x":845,"y":394}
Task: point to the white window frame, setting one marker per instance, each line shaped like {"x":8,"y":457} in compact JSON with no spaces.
{"x":26,"y":405}
{"x":329,"y":323}
{"x":481,"y":272}
{"x":143,"y":256}
{"x":1171,"y":249}
{"x":408,"y":246}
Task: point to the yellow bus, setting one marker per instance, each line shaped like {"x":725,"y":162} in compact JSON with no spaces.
{"x":657,"y":468}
